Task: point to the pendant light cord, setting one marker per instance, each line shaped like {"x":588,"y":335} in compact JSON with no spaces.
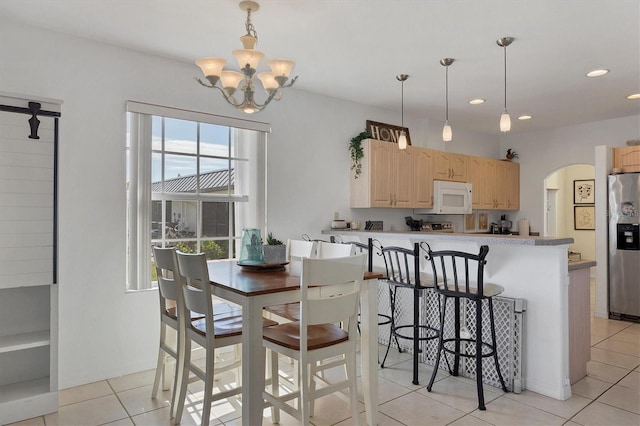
{"x":446,"y":93}
{"x":402,"y":105}
{"x":505,"y":77}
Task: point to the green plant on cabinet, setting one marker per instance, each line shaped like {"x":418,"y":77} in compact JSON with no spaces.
{"x":355,"y":147}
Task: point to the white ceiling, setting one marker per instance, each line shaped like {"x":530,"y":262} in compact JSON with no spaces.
{"x":353,"y":49}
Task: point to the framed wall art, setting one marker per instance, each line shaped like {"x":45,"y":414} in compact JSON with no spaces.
{"x":584,"y":191}
{"x":584,"y":217}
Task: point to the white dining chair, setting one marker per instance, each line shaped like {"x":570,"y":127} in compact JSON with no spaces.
{"x":211,"y":332}
{"x":327,"y":330}
{"x":168,"y":291}
{"x":296,"y":251}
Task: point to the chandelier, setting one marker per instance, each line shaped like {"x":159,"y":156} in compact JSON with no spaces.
{"x":248,"y":59}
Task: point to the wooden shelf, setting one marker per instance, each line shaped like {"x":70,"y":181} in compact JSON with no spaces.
{"x":17,"y":342}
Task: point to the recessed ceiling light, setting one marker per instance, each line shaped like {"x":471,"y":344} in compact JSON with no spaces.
{"x":597,"y":73}
{"x":524,"y":117}
{"x":634,"y":96}
{"x":476,"y":101}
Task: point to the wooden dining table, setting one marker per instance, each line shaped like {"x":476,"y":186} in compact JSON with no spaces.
{"x":257,"y":288}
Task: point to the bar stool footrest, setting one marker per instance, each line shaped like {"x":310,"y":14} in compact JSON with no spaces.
{"x":471,"y":345}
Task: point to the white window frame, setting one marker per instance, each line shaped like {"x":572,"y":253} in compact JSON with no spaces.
{"x":140,"y":197}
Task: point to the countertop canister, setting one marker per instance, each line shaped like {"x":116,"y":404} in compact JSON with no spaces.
{"x":523,"y":227}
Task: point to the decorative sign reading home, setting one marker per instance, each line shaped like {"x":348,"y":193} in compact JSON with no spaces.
{"x":386,"y":132}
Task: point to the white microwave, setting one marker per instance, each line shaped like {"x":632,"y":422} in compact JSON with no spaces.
{"x":449,"y":198}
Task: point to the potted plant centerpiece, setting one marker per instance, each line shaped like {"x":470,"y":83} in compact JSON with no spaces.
{"x":275,"y":251}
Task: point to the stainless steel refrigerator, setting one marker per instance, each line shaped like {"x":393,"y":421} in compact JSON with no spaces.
{"x":624,"y":246}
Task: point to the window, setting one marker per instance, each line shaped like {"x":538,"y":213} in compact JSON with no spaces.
{"x":194,"y":181}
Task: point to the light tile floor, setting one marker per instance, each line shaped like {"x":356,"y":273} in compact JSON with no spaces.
{"x":609,"y":395}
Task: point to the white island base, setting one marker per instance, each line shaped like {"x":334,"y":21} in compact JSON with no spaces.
{"x":531,"y":268}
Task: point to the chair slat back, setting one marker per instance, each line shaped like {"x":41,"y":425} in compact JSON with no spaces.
{"x":195,"y":286}
{"x":454,"y":272}
{"x":403,"y":265}
{"x":327,"y":250}
{"x":298,"y":250}
{"x":347,"y":270}
{"x":167,"y":272}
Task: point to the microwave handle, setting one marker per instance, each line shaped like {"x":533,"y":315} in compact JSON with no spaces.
{"x":467,"y":205}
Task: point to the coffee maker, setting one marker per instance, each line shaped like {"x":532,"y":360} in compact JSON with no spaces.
{"x":505,"y":225}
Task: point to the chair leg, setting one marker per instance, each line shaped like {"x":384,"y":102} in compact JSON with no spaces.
{"x":353,"y":390}
{"x":208,"y":386}
{"x":440,"y":344}
{"x":391,"y":326}
{"x":495,"y":345}
{"x":479,"y":355}
{"x":160,"y":364}
{"x":159,"y":368}
{"x":183,"y":381}
{"x":304,"y":392}
{"x":275,"y":386}
{"x":456,"y":358}
{"x":416,"y":335}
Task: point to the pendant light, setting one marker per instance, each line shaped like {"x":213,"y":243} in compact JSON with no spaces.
{"x":402,"y":140}
{"x":505,"y":119}
{"x":447,"y":134}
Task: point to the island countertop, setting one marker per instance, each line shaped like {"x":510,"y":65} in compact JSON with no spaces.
{"x":455,"y":236}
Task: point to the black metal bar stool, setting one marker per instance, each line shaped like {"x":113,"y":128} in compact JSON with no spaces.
{"x":453,"y":271}
{"x":370,"y":248}
{"x":403,"y":274}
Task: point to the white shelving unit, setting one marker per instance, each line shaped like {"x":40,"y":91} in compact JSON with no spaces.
{"x":28,"y":284}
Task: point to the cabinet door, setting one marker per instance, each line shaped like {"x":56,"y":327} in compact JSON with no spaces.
{"x":423,"y":172}
{"x":513,"y":186}
{"x":502,"y":176}
{"x":458,"y":165}
{"x":482,"y":178}
{"x":441,"y":169}
{"x":627,"y":158}
{"x":381,"y":173}
{"x":450,"y":166}
{"x":403,"y":194}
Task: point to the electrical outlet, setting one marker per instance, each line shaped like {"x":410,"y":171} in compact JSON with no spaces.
{"x":336,"y":215}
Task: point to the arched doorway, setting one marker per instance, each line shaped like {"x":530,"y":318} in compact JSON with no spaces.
{"x":559,"y":208}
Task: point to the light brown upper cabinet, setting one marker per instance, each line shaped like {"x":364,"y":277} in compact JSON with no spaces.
{"x":495,"y":184}
{"x":450,"y":166}
{"x":627,"y":158}
{"x":397,"y":178}
{"x":482,"y":176}
{"x":387,"y":177}
{"x":508,"y":185}
{"x":423,"y":180}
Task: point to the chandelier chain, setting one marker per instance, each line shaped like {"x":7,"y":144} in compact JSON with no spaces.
{"x":251,"y":30}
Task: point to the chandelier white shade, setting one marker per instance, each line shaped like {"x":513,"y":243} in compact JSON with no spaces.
{"x":248,"y":60}
{"x":505,"y":119}
{"x":447,"y":133}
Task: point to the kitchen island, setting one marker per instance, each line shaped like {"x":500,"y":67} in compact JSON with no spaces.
{"x":532,"y":268}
